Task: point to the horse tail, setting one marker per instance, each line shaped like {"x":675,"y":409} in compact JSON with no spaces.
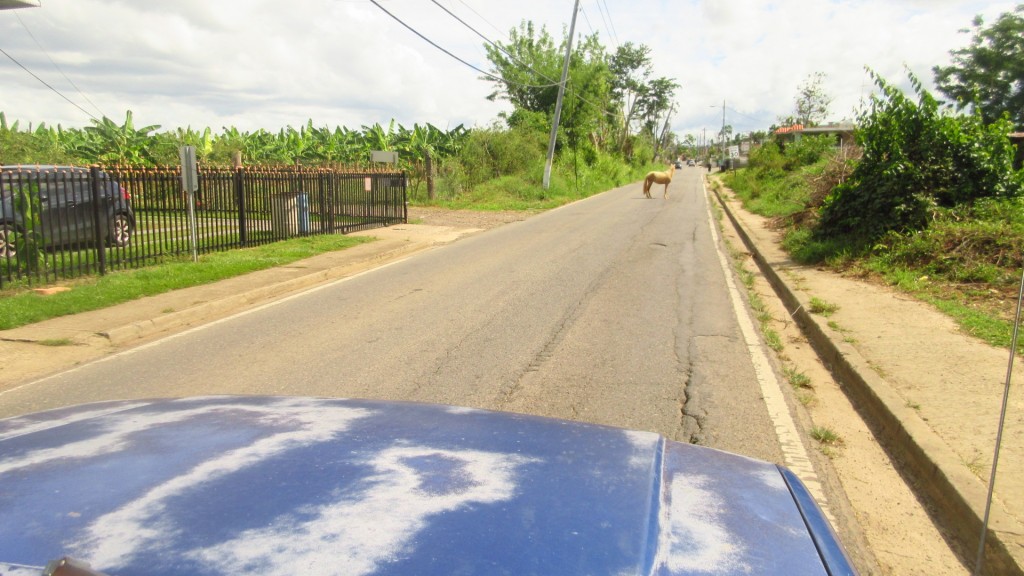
{"x":648,"y":181}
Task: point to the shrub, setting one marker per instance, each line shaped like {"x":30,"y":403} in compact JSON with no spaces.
{"x":916,"y":159}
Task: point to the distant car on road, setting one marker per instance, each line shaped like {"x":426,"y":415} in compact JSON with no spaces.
{"x":55,"y":203}
{"x":283,"y":485}
{"x":690,"y":162}
{"x":679,"y":164}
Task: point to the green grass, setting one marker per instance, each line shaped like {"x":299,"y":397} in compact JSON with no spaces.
{"x":20,"y":306}
{"x":822,"y":307}
{"x":825,"y":435}
{"x":967,"y":262}
{"x":796,"y":378}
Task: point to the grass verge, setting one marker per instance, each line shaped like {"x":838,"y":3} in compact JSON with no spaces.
{"x":967,"y":263}
{"x":20,"y":306}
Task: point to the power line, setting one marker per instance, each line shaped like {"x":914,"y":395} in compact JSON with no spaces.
{"x":482,"y":18}
{"x":33,"y":37}
{"x":499,"y":47}
{"x":608,"y":24}
{"x":442,"y":49}
{"x":55,"y":91}
{"x":587,"y":18}
{"x":486,"y":74}
{"x":517,"y":60}
{"x":431,"y":42}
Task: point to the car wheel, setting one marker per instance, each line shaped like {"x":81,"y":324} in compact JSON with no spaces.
{"x":7,"y":241}
{"x":121,"y":228}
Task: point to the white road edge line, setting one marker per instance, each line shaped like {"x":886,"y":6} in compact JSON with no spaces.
{"x":793,"y":451}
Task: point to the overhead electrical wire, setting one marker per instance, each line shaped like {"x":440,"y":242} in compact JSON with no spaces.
{"x":608,"y":23}
{"x":478,"y":33}
{"x":55,"y":91}
{"x":498,"y":46}
{"x":587,"y":18}
{"x":517,"y":60}
{"x":442,"y":49}
{"x":478,"y":15}
{"x":70,"y":81}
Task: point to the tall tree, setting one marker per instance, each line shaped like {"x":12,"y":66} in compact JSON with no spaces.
{"x":631,"y":70}
{"x":989,"y":73}
{"x":812,"y":102}
{"x":526,"y":71}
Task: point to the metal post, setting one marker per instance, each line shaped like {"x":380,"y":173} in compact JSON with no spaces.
{"x":561,"y":94}
{"x":980,"y":561}
{"x":100,"y":232}
{"x":723,"y":130}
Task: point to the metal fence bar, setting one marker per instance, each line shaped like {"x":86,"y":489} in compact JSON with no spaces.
{"x":57,"y":224}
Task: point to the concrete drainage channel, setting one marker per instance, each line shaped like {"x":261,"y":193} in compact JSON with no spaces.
{"x":955,"y":496}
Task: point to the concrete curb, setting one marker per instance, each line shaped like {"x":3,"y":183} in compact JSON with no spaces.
{"x":957,"y":498}
{"x":222,"y":307}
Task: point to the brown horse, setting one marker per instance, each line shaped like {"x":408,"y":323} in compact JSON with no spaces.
{"x":658,"y":178}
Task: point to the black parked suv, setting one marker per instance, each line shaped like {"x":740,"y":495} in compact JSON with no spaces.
{"x":54,"y":205}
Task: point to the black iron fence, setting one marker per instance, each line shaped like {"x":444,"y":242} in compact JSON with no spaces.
{"x":58,"y":223}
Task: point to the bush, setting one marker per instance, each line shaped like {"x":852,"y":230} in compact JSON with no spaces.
{"x":807,"y":150}
{"x":916,"y":159}
{"x":494,"y":152}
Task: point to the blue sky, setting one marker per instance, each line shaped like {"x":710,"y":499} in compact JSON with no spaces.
{"x":260,"y":64}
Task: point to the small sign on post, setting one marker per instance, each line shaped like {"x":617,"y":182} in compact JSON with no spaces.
{"x":189,"y":170}
{"x":190,"y":184}
{"x":387,"y":157}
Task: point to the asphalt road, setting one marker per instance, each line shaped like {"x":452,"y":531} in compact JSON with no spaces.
{"x":613,"y":310}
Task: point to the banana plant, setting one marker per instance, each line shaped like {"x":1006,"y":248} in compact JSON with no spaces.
{"x":110,"y":143}
{"x":375,"y":138}
{"x":202,"y":141}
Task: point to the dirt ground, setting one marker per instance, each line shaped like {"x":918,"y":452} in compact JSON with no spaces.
{"x":483,"y":219}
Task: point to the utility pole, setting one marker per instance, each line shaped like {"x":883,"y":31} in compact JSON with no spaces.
{"x":723,"y":129}
{"x":561,"y":94}
{"x":664,"y":130}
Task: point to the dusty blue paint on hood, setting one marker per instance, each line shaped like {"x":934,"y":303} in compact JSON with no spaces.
{"x":274,"y":485}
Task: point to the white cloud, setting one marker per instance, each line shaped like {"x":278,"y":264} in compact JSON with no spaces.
{"x":262,"y":64}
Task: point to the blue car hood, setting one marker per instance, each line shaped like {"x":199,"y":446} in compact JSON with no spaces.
{"x":274,"y":485}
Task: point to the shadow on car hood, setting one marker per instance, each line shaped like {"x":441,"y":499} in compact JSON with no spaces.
{"x":275,"y":485}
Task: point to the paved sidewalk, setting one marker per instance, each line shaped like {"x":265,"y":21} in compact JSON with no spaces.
{"x":91,"y":335}
{"x":933,"y":393}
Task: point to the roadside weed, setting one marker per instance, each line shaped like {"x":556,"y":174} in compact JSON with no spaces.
{"x":822,"y":308}
{"x":796,"y":378}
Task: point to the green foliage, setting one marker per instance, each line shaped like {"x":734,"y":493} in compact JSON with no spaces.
{"x":917,"y":158}
{"x":979,"y":243}
{"x":776,"y":183}
{"x":988,"y":74}
{"x":807,"y":150}
{"x":767,"y":159}
{"x":812,"y":102}
{"x":494,"y":152}
{"x":28,"y":239}
{"x":25,"y":307}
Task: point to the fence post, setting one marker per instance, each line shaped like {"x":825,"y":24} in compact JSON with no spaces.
{"x":98,"y":233}
{"x":243,"y":232}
